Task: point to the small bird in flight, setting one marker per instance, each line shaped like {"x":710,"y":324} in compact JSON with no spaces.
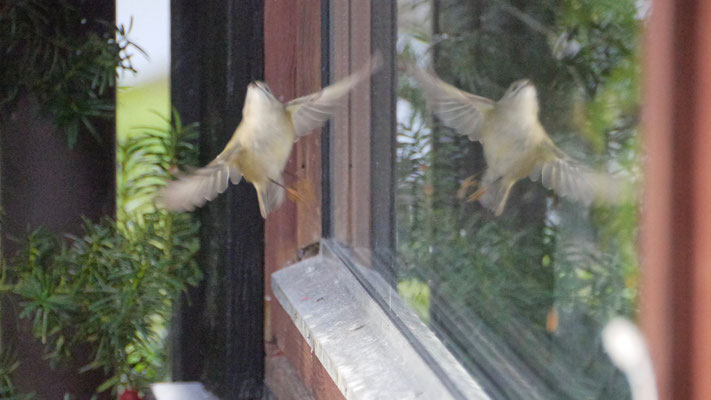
{"x":515,"y":143}
{"x":261,"y":145}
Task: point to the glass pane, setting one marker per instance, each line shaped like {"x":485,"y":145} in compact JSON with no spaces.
{"x":518,"y":284}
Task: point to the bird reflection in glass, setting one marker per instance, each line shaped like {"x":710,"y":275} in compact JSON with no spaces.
{"x":514,"y":142}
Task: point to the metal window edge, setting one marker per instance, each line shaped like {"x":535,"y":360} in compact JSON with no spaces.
{"x":364,"y":353}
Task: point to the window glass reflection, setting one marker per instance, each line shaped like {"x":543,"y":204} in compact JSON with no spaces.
{"x":520,"y":290}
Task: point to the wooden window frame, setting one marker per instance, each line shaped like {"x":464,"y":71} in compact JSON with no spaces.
{"x":676,"y":214}
{"x":361,"y":156}
{"x":307,"y":45}
{"x":293,"y":41}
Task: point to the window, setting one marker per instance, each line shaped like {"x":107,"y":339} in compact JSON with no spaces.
{"x":519,"y":298}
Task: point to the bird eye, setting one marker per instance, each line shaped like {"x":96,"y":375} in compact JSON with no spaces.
{"x":264,"y":87}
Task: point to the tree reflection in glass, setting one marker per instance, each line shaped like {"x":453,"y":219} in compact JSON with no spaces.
{"x":521,"y":298}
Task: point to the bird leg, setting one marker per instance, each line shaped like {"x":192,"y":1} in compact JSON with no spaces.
{"x":465,"y":185}
{"x":477,"y":195}
{"x":470,"y":181}
{"x":292,"y":193}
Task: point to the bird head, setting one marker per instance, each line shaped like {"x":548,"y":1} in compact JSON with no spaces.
{"x":521,"y":95}
{"x":259,"y":98}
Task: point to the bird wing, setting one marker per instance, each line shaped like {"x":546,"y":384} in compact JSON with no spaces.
{"x":312,"y":111}
{"x":457,"y":109}
{"x":558,"y":172}
{"x":202,"y":185}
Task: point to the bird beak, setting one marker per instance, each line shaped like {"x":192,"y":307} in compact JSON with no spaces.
{"x":261,"y":86}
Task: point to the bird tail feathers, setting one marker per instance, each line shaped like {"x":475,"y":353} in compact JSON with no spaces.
{"x":270,"y":196}
{"x":496,"y":193}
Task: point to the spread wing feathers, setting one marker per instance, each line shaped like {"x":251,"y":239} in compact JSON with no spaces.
{"x":270,"y":196}
{"x":312,"y":111}
{"x":457,"y":109}
{"x":558,"y":172}
{"x":201,"y":186}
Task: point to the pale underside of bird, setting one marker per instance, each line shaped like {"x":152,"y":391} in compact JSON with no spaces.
{"x":261,"y":145}
{"x":514,"y":142}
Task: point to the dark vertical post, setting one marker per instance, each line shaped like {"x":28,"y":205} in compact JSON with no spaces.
{"x":45,"y":183}
{"x":383,"y":127}
{"x":185,"y":358}
{"x":326,"y":220}
{"x":220,"y":336}
{"x":185,"y":60}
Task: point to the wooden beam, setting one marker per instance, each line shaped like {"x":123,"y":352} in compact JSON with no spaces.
{"x":221,"y":324}
{"x":701,"y":356}
{"x":292,"y":66}
{"x":676,"y":216}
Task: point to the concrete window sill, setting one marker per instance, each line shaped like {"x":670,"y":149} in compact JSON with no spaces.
{"x":366,"y":355}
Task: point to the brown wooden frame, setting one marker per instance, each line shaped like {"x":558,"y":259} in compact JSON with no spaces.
{"x":676,"y":216}
{"x":350,"y":164}
{"x":292,"y":67}
{"x":302,"y":39}
{"x":361,"y":158}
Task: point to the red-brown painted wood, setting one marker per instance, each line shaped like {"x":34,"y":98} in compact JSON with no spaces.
{"x":701,"y":356}
{"x":292,"y":63}
{"x":676,"y":212}
{"x":299,"y":354}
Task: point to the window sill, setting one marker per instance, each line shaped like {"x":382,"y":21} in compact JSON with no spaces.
{"x":361,"y":349}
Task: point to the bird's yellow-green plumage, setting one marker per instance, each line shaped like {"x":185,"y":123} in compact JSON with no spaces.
{"x":515,"y":143}
{"x":261,"y":145}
